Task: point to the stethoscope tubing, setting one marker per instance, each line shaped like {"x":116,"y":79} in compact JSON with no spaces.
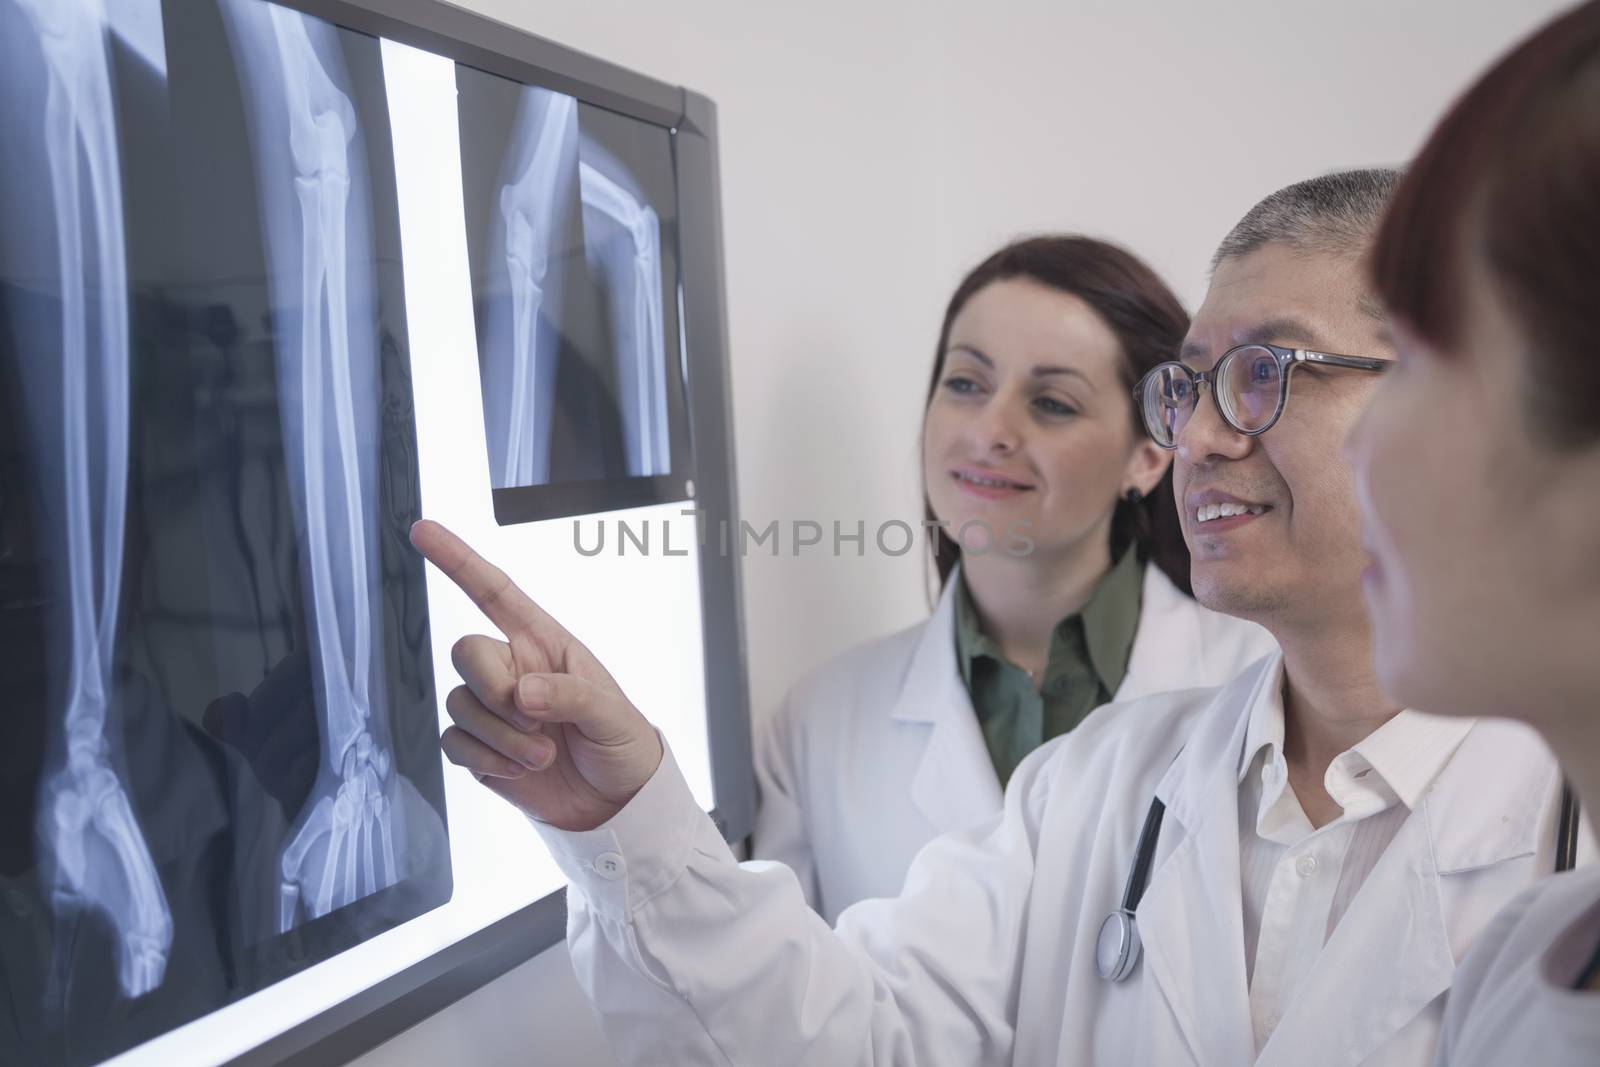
{"x":1126,"y":916}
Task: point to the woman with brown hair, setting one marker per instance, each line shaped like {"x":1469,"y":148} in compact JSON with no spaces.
{"x":1065,"y":578}
{"x":1479,"y":471}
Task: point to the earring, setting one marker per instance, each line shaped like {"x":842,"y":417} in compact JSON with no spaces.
{"x":1133,"y":496}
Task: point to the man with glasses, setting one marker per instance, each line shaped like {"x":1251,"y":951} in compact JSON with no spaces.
{"x":1250,"y":383}
{"x":1280,"y":871}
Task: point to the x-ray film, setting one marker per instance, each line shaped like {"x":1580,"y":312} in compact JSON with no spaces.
{"x":270,"y":290}
{"x":221,"y":751}
{"x":571,"y":226}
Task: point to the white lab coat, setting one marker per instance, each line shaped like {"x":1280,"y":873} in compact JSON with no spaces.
{"x":988,"y":957}
{"x":1513,"y":1002}
{"x":879,"y":751}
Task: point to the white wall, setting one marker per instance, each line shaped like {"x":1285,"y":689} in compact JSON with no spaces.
{"x":871,"y":153}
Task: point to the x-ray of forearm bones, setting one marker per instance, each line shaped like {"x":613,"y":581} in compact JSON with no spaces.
{"x":622,"y":238}
{"x":101,"y":861}
{"x":347,"y":841}
{"x":530,"y":230}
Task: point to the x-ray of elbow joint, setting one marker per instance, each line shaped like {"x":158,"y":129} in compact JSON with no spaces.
{"x":533,"y":223}
{"x":572,"y":267}
{"x":623,"y":245}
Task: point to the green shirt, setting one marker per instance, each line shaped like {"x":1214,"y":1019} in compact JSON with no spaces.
{"x":1087,"y":661}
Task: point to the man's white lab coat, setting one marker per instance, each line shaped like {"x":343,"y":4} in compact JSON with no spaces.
{"x":988,"y":956}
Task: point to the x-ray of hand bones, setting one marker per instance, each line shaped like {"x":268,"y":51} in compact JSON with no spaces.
{"x":641,"y":345}
{"x":101,"y":860}
{"x":528,"y":212}
{"x":344,"y":846}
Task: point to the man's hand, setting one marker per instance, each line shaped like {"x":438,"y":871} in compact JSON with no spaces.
{"x":539,"y":721}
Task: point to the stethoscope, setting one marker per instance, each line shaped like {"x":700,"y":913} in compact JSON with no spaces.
{"x":1117,"y":950}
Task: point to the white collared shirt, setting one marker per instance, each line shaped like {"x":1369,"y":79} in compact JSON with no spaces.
{"x":1297,"y":881}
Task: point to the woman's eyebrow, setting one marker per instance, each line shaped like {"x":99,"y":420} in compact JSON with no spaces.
{"x":1041,"y":371}
{"x":1046,"y":371}
{"x":973,"y":352}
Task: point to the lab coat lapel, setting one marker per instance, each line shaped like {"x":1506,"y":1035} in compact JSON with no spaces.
{"x":1191,"y":917}
{"x":1387,"y":959}
{"x":1350,"y":1004}
{"x":1168,"y":642}
{"x":955,"y":784}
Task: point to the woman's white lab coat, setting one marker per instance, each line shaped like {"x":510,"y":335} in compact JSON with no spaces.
{"x":988,"y":957}
{"x":878,"y":752}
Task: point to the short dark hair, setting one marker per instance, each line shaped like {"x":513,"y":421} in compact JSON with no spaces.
{"x":1149,"y":324}
{"x":1335,"y":213}
{"x":1512,"y":176}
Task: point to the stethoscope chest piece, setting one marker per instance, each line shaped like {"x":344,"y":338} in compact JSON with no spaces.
{"x":1116,"y":952}
{"x":1117,"y":949}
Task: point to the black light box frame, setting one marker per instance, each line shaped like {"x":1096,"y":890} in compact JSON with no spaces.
{"x":385,"y":1009}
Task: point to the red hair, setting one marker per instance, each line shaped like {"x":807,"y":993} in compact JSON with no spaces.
{"x":1512,"y":176}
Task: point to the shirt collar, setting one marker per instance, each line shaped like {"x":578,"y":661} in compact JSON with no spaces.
{"x":1110,"y":620}
{"x":1406,"y":753}
{"x":1265,"y":729}
{"x":971,"y":641}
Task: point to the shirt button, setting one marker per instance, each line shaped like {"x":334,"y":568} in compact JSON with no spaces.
{"x":1306,"y":865}
{"x":608,"y":865}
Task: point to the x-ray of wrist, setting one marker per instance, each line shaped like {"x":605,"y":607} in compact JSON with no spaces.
{"x":100,"y":858}
{"x":306,"y":139}
{"x":219,"y":762}
{"x":219,"y":752}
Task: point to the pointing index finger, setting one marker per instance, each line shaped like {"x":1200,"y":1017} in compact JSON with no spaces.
{"x":496,"y":595}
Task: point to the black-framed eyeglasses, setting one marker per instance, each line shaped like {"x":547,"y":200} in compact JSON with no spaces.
{"x":1250,"y":384}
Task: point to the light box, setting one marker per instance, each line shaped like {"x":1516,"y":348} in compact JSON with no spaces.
{"x":275,"y":281}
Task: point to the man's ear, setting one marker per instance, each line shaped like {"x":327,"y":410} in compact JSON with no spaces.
{"x":1146,"y":464}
